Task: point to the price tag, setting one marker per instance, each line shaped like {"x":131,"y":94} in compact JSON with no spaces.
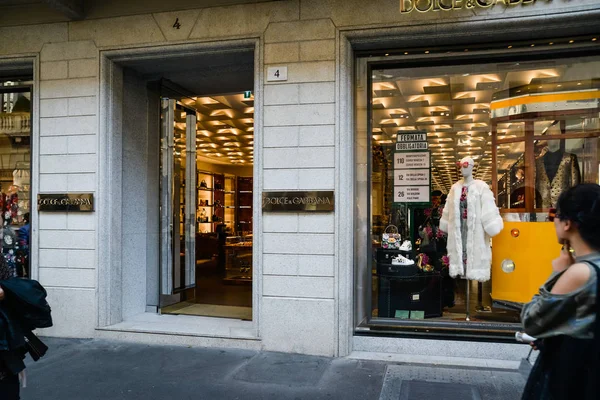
{"x":275,"y":74}
{"x":412,"y":160}
{"x":411,"y":177}
{"x":411,"y":194}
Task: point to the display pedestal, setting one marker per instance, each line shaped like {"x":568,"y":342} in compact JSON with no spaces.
{"x":416,"y":293}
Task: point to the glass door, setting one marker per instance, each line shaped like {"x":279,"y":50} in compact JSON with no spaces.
{"x":178,"y":200}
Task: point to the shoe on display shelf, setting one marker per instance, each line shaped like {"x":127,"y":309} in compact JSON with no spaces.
{"x":406,"y":246}
{"x":401,"y":260}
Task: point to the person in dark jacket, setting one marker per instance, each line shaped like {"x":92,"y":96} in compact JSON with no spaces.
{"x":23,"y":308}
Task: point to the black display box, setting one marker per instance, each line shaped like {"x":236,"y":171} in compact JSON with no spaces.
{"x":421,"y":292}
{"x":385,"y":256}
{"x":391,"y":270}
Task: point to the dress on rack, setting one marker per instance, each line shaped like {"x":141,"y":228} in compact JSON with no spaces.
{"x":555,"y":172}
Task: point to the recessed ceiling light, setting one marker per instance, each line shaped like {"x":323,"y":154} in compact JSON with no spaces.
{"x":406,"y":52}
{"x":551,"y":43}
{"x":532,"y":45}
{"x":571,"y":41}
{"x":387,"y":54}
{"x":427,"y":52}
{"x":594,"y":39}
{"x":510,"y":47}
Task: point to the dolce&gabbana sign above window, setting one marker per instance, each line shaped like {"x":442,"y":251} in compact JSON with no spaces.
{"x":423,"y":6}
{"x":78,"y":202}
{"x":309,"y":201}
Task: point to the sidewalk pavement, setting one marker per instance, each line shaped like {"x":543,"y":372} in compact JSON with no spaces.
{"x":106,"y":370}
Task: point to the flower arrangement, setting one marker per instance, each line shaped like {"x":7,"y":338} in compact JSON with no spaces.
{"x":445,"y":261}
{"x":429,"y":231}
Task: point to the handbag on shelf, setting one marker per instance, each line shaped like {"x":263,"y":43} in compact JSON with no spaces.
{"x":391,"y":238}
{"x":203,"y":184}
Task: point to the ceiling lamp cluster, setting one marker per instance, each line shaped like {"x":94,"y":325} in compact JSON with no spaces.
{"x":455,"y":112}
{"x":225,"y":127}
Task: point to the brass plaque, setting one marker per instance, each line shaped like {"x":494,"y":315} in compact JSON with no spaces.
{"x":77,"y":202}
{"x":313,"y":201}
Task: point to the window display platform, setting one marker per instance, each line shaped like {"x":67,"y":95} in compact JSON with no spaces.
{"x":388,"y":303}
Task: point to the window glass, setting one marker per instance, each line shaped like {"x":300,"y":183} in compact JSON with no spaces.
{"x":15,"y":180}
{"x":528,"y":129}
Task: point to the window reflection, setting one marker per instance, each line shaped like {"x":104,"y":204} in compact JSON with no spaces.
{"x":15,"y":180}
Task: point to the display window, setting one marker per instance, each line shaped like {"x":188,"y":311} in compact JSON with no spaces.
{"x":15,"y":172}
{"x":458,"y":162}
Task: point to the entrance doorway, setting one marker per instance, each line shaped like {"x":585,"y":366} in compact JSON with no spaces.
{"x":207,"y":155}
{"x":171,"y":118}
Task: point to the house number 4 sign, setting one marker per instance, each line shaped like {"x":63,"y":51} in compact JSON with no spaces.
{"x":277,"y":74}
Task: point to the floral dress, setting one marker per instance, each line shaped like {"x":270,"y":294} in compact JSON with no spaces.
{"x":463,"y":222}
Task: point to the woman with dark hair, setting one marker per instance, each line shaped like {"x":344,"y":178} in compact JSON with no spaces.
{"x":563,"y":315}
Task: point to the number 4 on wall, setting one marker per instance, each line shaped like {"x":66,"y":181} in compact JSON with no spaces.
{"x":275,"y":74}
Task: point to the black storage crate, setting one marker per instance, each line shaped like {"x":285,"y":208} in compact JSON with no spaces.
{"x":422,"y":292}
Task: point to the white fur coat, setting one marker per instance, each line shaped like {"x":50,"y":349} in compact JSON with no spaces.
{"x":483,"y":222}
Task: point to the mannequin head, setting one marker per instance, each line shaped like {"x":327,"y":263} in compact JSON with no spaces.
{"x":466,"y":166}
{"x":553,"y":145}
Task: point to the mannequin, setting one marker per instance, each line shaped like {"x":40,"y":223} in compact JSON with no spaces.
{"x":468,"y":238}
{"x":470,"y":218}
{"x":556,"y":171}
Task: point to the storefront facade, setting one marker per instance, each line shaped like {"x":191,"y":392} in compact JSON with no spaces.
{"x":332,"y":84}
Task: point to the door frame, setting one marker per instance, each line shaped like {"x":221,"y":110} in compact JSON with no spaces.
{"x":110,"y":251}
{"x":170,"y":245}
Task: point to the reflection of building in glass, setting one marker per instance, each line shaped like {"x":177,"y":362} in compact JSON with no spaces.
{"x":15,"y":181}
